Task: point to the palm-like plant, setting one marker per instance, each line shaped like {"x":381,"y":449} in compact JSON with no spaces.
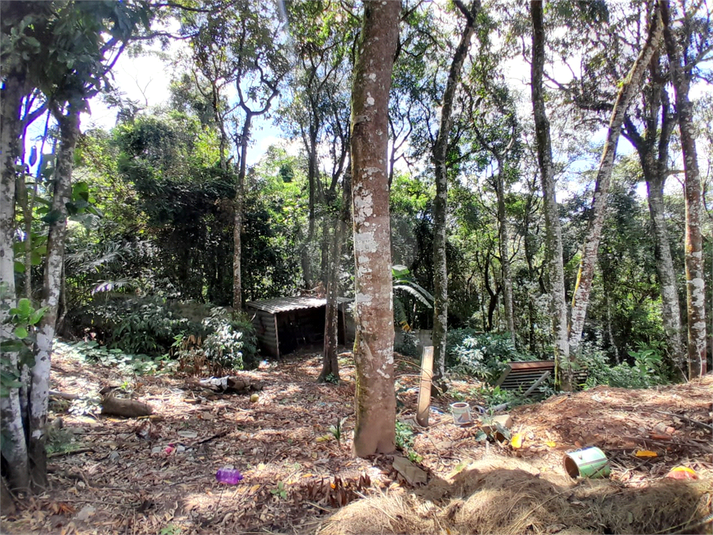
{"x":403,"y":282}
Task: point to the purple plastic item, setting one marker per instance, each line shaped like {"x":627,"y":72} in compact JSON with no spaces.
{"x":231,"y":476}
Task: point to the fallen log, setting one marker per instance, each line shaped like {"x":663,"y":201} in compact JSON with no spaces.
{"x":128,"y":408}
{"x":227,"y":385}
{"x":63,"y":395}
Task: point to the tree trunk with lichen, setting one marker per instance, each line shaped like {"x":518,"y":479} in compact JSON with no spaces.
{"x":375,"y":430}
{"x":52,"y":286}
{"x":695,"y":281}
{"x":653,"y":148}
{"x":14,"y":444}
{"x":504,"y":251}
{"x":629,"y":87}
{"x":553,"y":231}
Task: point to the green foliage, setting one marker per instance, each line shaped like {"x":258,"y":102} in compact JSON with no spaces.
{"x":481,"y":355}
{"x":332,"y":379}
{"x":647,"y":369}
{"x":171,"y":529}
{"x":127,"y":363}
{"x":493,"y":396}
{"x":280,"y":491}
{"x":336,"y":430}
{"x":24,"y":318}
{"x":408,"y":345}
{"x":60,"y":440}
{"x":137,"y":325}
{"x":134,"y":328}
{"x":405,"y":439}
{"x":403,"y":282}
{"x":229,"y":340}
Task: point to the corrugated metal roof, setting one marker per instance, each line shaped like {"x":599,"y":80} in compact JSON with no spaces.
{"x":285,"y":304}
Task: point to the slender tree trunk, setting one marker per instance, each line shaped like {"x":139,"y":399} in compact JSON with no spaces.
{"x":670,"y":306}
{"x":330,"y":361}
{"x":220,"y":121}
{"x":239,"y":207}
{"x":630,"y":86}
{"x":695,"y":281}
{"x":312,"y":181}
{"x":440,"y":203}
{"x":238,"y":248}
{"x":493,"y":296}
{"x":531,"y":271}
{"x":375,"y":430}
{"x":22,"y":197}
{"x":328,"y":221}
{"x":14,"y":444}
{"x":503,"y":250}
{"x":610,"y":331}
{"x":553,"y":231}
{"x":655,"y":169}
{"x":39,"y":391}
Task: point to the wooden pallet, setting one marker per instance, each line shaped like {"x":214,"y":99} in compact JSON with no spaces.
{"x":524,"y":376}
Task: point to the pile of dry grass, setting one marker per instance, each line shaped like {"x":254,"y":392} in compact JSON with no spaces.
{"x":491,"y":498}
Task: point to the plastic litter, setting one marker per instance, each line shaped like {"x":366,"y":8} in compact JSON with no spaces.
{"x":230,"y":476}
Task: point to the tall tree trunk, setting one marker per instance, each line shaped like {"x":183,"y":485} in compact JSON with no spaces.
{"x":630,"y":86}
{"x":653,"y":156}
{"x":492,"y":294}
{"x":239,"y":206}
{"x":375,"y":430}
{"x":553,"y":231}
{"x":330,"y":361}
{"x":52,"y":286}
{"x":14,"y":444}
{"x":610,"y":331}
{"x":440,"y":203}
{"x":313,"y":182}
{"x":695,"y":281}
{"x":503,"y":250}
{"x":23,"y":200}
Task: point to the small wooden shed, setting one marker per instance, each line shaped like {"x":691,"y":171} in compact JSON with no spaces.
{"x":284,"y":324}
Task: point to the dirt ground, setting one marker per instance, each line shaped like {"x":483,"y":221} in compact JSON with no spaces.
{"x":157,"y":475}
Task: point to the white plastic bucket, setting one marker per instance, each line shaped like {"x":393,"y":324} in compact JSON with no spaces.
{"x":461,"y":413}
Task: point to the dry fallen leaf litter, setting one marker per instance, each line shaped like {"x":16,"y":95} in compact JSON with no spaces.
{"x":158,"y":474}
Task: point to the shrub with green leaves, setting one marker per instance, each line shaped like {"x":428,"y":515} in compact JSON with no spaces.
{"x":405,"y":440}
{"x":647,"y":370}
{"x":481,"y":355}
{"x":153,"y":326}
{"x":139,"y":325}
{"x":231,"y":343}
{"x":24,"y":318}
